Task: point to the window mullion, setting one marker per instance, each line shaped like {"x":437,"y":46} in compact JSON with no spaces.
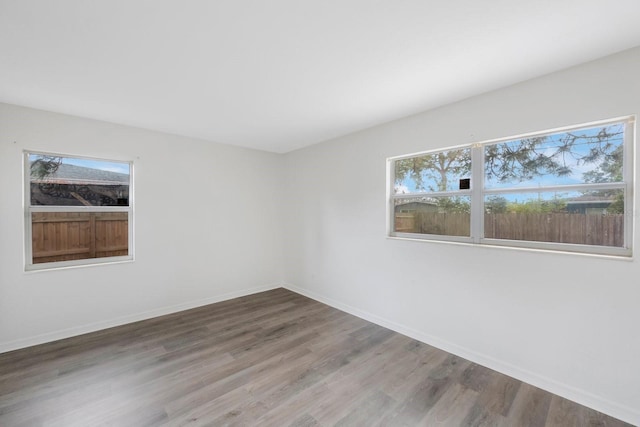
{"x":41,"y":208}
{"x":453,"y":193}
{"x":628,"y":176}
{"x":558,"y":188}
{"x":477,"y":184}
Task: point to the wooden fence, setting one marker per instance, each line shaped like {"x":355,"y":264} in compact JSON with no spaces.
{"x":64,"y":236}
{"x":583,"y":229}
{"x":450,"y":224}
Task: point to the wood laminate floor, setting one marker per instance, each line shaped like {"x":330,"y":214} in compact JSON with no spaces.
{"x":269,"y":359}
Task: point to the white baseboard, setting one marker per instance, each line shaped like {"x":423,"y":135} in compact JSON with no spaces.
{"x":582,"y":397}
{"x":97,"y":326}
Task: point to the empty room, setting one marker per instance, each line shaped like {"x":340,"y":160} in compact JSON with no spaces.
{"x":319,"y":213}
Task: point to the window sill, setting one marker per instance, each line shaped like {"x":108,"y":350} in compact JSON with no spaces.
{"x":66,"y":265}
{"x":498,"y":246}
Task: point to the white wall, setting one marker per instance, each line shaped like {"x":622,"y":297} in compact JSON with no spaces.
{"x":567,"y":323}
{"x":206,"y":228}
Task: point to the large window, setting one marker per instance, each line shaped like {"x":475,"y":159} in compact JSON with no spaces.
{"x":77,"y":211}
{"x":566,"y":190}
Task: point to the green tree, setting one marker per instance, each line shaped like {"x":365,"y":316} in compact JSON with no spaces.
{"x":522,"y":159}
{"x":437,"y":167}
{"x":454,"y":205}
{"x":557,"y":205}
{"x":617,"y":206}
{"x":496,"y":205}
{"x":609,"y":170}
{"x":519,"y":160}
{"x":526,"y":158}
{"x":44,"y":166}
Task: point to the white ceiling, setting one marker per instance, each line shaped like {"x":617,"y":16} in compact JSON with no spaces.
{"x":278,"y":75}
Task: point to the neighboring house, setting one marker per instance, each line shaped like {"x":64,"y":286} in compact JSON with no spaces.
{"x":72,"y":185}
{"x":416,"y":206}
{"x":588,"y":204}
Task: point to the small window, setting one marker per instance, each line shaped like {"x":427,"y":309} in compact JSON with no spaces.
{"x":566,"y":190}
{"x":78,"y":210}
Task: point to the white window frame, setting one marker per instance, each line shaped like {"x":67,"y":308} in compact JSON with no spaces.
{"x":28,"y":210}
{"x":477,"y":193}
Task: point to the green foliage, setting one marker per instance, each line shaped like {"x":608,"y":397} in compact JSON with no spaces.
{"x":454,"y":204}
{"x":609,"y":170}
{"x":518,"y":160}
{"x":496,"y":205}
{"x":500,"y":205}
{"x":617,"y":206}
{"x":524,"y":159}
{"x":438,"y":167}
{"x":538,"y":206}
{"x":44,"y":166}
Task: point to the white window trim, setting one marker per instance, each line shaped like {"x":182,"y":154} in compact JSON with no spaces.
{"x":478,"y":193}
{"x":28,"y":209}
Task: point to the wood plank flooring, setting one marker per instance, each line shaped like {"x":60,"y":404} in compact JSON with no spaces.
{"x":269,"y":359}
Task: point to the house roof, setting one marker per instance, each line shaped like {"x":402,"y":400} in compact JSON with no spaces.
{"x":587,"y":198}
{"x":72,"y":174}
{"x":422,"y":201}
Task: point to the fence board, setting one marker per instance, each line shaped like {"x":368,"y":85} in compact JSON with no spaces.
{"x":581,"y":229}
{"x":65,"y":236}
{"x":405,"y":223}
{"x":449,"y":224}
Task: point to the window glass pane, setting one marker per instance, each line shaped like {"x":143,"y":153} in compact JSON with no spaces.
{"x":590,"y":155}
{"x":65,"y":236}
{"x":70,"y":181}
{"x":445,"y":216}
{"x":585,"y":218}
{"x":433,"y":172}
